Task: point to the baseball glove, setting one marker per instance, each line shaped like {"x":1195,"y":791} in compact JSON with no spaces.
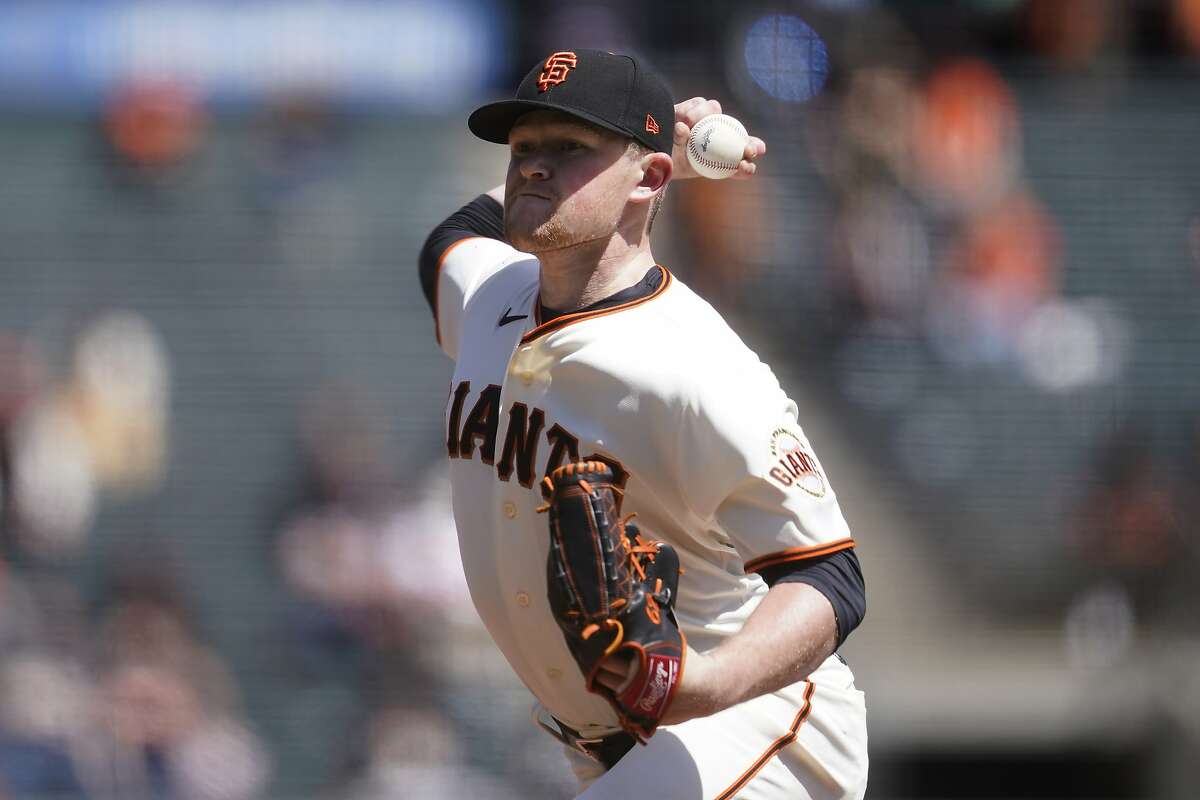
{"x":611,"y":590}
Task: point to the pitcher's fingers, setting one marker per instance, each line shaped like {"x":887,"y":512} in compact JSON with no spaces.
{"x":745,"y":169}
{"x":682,"y":131}
{"x":755,"y":148}
{"x":608,"y":680}
{"x":614,"y":672}
{"x":700,"y":111}
{"x":687,"y":105}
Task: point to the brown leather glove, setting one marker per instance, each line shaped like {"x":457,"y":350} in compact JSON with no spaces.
{"x":612,"y":590}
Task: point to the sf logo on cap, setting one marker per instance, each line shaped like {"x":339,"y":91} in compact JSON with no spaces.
{"x":556,"y":69}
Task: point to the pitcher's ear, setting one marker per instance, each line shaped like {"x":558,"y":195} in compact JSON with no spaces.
{"x":656,"y":174}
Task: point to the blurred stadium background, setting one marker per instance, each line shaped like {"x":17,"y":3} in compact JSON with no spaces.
{"x":227,"y":567}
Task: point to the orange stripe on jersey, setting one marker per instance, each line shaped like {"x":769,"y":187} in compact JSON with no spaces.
{"x":579,"y":316}
{"x":776,"y":746}
{"x":797,"y":554}
{"x":437,"y":279}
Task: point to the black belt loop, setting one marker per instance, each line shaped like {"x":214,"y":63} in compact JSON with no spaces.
{"x":608,"y":750}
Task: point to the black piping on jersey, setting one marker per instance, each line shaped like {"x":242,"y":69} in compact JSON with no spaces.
{"x":798,"y":554}
{"x":483,"y":216}
{"x":643,"y":288}
{"x":652,"y":284}
{"x":838,"y":576}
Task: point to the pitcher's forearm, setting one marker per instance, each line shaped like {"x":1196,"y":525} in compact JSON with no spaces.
{"x":791,"y":632}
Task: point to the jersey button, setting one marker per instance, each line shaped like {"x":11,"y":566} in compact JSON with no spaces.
{"x":523,"y":599}
{"x":553,"y":673}
{"x":510,"y":509}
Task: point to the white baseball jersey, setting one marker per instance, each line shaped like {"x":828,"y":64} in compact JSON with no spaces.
{"x":714,"y":460}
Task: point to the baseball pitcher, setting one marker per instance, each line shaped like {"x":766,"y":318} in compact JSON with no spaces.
{"x":647,"y":532}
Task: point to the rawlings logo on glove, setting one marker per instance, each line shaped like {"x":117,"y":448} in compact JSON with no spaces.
{"x":613,"y":591}
{"x":651,"y":698}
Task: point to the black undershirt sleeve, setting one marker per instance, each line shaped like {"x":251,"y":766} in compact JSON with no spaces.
{"x":838,"y":576}
{"x":483,"y":216}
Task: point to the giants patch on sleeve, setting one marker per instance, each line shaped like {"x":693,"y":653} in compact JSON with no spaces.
{"x":793,"y":466}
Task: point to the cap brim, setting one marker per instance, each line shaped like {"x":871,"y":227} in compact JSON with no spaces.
{"x":493,"y":121}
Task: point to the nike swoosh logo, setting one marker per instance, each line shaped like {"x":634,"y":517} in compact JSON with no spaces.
{"x":505,"y":318}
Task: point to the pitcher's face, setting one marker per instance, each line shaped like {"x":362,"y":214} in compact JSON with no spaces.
{"x":568,"y":182}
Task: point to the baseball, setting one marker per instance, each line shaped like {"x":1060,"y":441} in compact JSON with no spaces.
{"x":716,"y":146}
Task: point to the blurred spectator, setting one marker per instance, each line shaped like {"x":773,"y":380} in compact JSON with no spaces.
{"x":359,"y":561}
{"x":326,"y":547}
{"x":147,"y":621}
{"x":881,"y":256}
{"x":153,"y":127}
{"x":967,"y":140}
{"x":177,"y":746}
{"x":53,"y":487}
{"x":331,"y":557}
{"x":40,"y":699}
{"x":1012,"y":248}
{"x":120,"y":393}
{"x":413,"y":753}
{"x":377,"y":602}
{"x":1072,"y":32}
{"x":420,"y":546}
{"x":878,"y":116}
{"x":22,"y":379}
{"x":1186,"y":17}
{"x":106,"y":427}
{"x":1128,"y":524}
{"x":1069,"y":344}
{"x":1002,"y":267}
{"x":168,"y":703}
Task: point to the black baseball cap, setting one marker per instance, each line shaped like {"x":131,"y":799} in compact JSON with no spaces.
{"x":617,"y":92}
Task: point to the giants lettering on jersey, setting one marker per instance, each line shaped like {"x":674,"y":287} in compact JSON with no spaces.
{"x":480,"y":431}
